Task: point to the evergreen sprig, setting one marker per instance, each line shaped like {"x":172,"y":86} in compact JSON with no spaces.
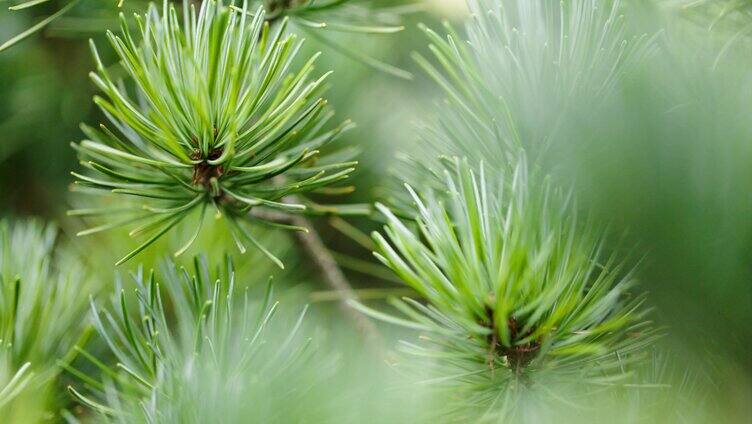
{"x":197,"y":347}
{"x":214,"y":116}
{"x":41,"y":306}
{"x":523,"y":71}
{"x":514,"y":284}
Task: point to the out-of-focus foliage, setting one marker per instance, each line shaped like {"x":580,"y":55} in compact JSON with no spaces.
{"x":197,"y":346}
{"x":523,"y":74}
{"x":725,"y":15}
{"x":192,"y":345}
{"x":43,"y":297}
{"x":670,"y":162}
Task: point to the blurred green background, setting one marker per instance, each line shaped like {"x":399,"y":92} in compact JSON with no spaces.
{"x":669,"y":163}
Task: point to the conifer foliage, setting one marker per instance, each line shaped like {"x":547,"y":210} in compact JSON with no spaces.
{"x":198,"y":346}
{"x":521,"y":71}
{"x":515,"y":294}
{"x":43,"y":294}
{"x":214,"y":114}
{"x":515,"y":285}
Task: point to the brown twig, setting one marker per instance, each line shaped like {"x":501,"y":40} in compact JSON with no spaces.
{"x":311,"y":243}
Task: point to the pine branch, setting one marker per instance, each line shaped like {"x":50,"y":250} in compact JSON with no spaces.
{"x":192,"y":349}
{"x":206,"y":122}
{"x":515,"y":286}
{"x":43,"y":291}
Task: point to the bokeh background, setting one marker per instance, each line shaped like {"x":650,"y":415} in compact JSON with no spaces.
{"x":669,"y":164}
